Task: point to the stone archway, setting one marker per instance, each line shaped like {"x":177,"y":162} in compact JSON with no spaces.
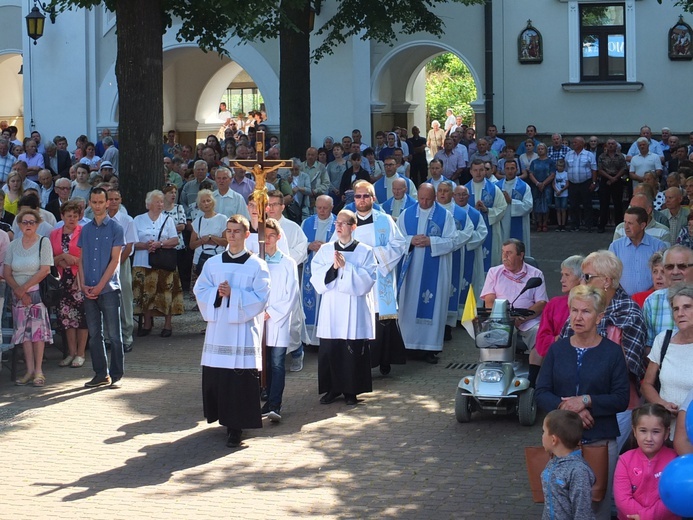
{"x":12,"y":99}
{"x":398,"y":84}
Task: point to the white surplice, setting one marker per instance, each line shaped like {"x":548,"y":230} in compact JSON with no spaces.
{"x":475,"y":247}
{"x":282,"y":300}
{"x":347,"y":310}
{"x":518,"y":208}
{"x":234,"y":329}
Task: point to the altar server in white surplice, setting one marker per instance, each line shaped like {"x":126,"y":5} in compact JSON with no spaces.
{"x":426,"y":273}
{"x":465,"y":230}
{"x":282,"y":299}
{"x":486,"y":197}
{"x":344,"y":273}
{"x":232,"y":293}
{"x":319,"y":229}
{"x":474,"y":256}
{"x":518,"y":195}
{"x":379,"y":231}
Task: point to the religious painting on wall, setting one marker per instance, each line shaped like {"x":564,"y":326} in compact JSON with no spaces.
{"x":680,"y":41}
{"x":530,"y":48}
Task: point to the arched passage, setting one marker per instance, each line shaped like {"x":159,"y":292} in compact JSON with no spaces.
{"x":398,"y":94}
{"x":194,"y":82}
{"x":12,"y":99}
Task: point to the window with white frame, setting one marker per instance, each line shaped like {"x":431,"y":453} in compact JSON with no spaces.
{"x":602,"y":41}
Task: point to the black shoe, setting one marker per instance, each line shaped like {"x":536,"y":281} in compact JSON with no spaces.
{"x":233,"y":439}
{"x":166,"y":333}
{"x":265,"y":410}
{"x":143,"y":332}
{"x":431,"y":358}
{"x":329,"y":398}
{"x":116,"y":382}
{"x":385,"y":369}
{"x":127,"y":348}
{"x":263,"y":395}
{"x":448,"y":333}
{"x":98,"y":381}
{"x":350,"y":399}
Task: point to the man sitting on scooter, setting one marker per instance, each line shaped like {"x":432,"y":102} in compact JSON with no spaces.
{"x":506,"y":281}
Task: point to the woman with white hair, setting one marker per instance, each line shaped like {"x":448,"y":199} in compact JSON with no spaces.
{"x":556,"y":312}
{"x":435,"y":138}
{"x":155,"y":292}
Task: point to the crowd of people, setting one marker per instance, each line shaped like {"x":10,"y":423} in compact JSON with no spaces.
{"x":371,"y":253}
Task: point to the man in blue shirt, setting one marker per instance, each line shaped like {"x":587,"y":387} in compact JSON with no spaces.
{"x":101,"y":242}
{"x":634,"y":250}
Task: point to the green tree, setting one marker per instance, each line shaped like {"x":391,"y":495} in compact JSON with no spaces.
{"x":211,"y":23}
{"x":449,"y":84}
{"x":686,"y":5}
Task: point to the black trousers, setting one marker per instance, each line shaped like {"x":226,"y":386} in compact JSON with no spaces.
{"x":610,"y":193}
{"x":579,"y":194}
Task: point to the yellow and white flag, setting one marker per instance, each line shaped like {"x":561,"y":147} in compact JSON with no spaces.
{"x":469,"y":312}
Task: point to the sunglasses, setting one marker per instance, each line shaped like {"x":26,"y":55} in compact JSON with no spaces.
{"x":588,"y":277}
{"x":28,"y":222}
{"x":362,"y":196}
{"x":680,"y":267}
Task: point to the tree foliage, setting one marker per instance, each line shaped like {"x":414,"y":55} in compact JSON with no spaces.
{"x":686,"y":5}
{"x":449,"y":84}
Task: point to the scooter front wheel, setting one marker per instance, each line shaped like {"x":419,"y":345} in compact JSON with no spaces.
{"x":463,"y":407}
{"x":527,"y":408}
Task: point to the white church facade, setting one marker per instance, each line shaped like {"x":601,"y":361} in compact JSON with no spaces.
{"x":578,"y":77}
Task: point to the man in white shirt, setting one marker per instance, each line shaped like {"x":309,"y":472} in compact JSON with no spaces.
{"x":644,"y":161}
{"x":228,"y":202}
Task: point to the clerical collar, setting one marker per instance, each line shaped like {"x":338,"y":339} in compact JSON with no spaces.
{"x":362,"y":221}
{"x":275,"y":258}
{"x":344,"y":246}
{"x":237,"y":255}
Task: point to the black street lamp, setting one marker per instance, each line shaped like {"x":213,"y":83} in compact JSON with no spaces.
{"x":35,"y":22}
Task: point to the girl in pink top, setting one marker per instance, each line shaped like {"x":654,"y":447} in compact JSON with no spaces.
{"x":636,"y":480}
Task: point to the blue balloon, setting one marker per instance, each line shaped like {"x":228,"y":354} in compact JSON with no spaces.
{"x":676,"y":486}
{"x":689,"y":424}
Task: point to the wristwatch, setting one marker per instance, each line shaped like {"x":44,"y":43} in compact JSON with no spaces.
{"x":586,"y":400}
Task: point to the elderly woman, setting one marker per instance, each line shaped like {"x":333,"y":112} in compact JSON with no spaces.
{"x":623,"y":323}
{"x":28,"y":261}
{"x":177,"y":213}
{"x":208,"y":231}
{"x":556,"y":312}
{"x":656,"y":263}
{"x":674,"y":367}
{"x":586,"y":373}
{"x":435,"y":138}
{"x":156,"y":292}
{"x":66,"y":255}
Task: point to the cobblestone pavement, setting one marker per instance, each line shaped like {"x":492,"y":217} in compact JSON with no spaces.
{"x":145,"y":451}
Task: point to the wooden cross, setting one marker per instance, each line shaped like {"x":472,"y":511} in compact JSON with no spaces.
{"x":260,"y":168}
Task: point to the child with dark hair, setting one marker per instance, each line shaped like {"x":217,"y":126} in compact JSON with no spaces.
{"x":567,"y":479}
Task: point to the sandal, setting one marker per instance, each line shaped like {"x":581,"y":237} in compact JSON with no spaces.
{"x":39,"y":380}
{"x":22,"y":381}
{"x":66,"y":362}
{"x":77,"y":362}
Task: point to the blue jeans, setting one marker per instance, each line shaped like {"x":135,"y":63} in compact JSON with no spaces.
{"x":297,"y":353}
{"x":105,"y":310}
{"x":276,"y":375}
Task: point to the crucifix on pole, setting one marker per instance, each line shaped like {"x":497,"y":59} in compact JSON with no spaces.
{"x":260,"y":167}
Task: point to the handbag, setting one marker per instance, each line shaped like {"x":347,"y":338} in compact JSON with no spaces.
{"x":163,"y":258}
{"x":665,"y":345}
{"x":597,"y":457}
{"x":49,"y":287}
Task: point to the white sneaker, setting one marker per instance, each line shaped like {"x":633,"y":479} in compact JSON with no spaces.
{"x":296,"y":363}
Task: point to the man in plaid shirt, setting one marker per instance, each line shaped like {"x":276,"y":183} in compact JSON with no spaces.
{"x":678,"y":267}
{"x":557,"y":150}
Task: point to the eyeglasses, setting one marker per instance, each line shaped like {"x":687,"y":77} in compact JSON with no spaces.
{"x":680,"y":267}
{"x":588,"y":277}
{"x":340,"y":224}
{"x":390,"y":164}
{"x":362,"y":196}
{"x":28,"y":222}
{"x":274,"y":204}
